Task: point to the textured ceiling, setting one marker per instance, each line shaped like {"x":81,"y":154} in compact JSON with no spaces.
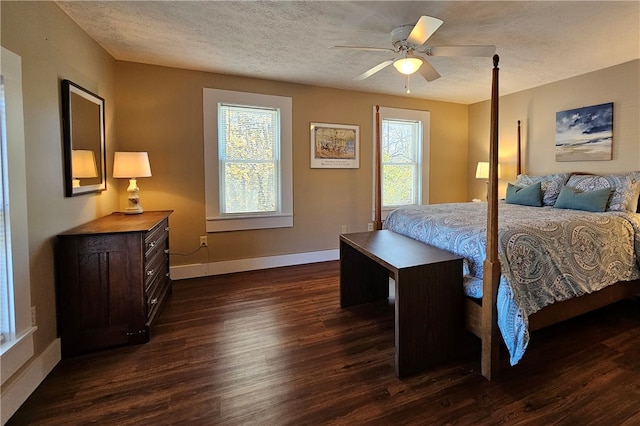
{"x":538,"y":42}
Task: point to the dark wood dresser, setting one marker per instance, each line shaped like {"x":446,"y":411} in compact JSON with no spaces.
{"x":112,"y":278}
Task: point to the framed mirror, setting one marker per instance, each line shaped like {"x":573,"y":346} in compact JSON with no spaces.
{"x":83,"y":139}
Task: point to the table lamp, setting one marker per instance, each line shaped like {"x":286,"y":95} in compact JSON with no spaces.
{"x":132,"y":165}
{"x":482,"y":172}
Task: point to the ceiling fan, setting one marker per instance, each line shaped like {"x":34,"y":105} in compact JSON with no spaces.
{"x":408,"y":42}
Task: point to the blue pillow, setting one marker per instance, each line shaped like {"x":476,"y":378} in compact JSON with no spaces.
{"x":591,"y":201}
{"x":525,"y":195}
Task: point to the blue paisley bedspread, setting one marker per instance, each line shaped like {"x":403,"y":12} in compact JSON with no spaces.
{"x":546,"y":254}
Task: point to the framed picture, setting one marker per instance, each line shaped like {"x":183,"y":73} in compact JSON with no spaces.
{"x":335,"y":146}
{"x":585,"y":134}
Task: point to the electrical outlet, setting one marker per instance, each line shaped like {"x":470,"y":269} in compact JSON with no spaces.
{"x":203,"y":241}
{"x":345,"y":229}
{"x":33,"y":316}
{"x":370,"y":226}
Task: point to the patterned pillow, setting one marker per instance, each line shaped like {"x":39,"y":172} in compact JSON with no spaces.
{"x":551,"y":185}
{"x":626,"y":187}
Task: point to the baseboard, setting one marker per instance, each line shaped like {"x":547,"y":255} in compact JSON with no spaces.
{"x":17,"y":391}
{"x":241,"y":265}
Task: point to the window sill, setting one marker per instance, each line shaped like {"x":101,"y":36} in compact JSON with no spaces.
{"x":242,"y":223}
{"x":15,"y":353}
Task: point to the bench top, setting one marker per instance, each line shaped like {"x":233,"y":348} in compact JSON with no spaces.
{"x":396,"y":251}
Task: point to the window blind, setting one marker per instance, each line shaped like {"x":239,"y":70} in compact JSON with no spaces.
{"x":249,"y":159}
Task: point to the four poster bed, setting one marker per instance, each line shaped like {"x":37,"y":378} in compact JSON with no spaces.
{"x":553,"y":256}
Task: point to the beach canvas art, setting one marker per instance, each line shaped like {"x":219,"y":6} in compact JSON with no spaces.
{"x":585,"y":134}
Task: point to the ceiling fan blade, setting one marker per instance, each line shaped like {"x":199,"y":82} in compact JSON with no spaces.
{"x":481,"y":50}
{"x":424,"y":28}
{"x":370,"y":48}
{"x":428,"y":71}
{"x":374,"y":70}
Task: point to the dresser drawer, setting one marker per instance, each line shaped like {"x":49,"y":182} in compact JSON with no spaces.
{"x":156,"y":237}
{"x":155,"y":295}
{"x":156,"y":264}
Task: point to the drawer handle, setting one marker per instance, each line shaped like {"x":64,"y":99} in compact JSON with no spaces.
{"x":153,"y":301}
{"x":168,"y":274}
{"x":152,"y":244}
{"x":150,"y":272}
{"x":167,"y":229}
{"x":166,"y":251}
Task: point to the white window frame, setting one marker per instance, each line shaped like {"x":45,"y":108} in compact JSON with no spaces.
{"x":215,"y":220}
{"x":18,"y":347}
{"x":424,"y":117}
{"x":416,"y":164}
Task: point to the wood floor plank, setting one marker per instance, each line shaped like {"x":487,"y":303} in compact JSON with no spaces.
{"x":274,"y":348}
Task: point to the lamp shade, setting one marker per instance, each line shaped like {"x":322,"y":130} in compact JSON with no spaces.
{"x":482,"y":171}
{"x":131,"y":165}
{"x":83,"y":164}
{"x":407,"y":65}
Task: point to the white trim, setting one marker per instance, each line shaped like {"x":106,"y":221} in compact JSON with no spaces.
{"x":408,"y":114}
{"x":240,"y":265}
{"x":15,"y":352}
{"x":17,"y":392}
{"x":211,"y":98}
{"x":221,"y":224}
{"x":11,"y":69}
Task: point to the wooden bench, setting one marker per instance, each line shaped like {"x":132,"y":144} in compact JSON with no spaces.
{"x":428,"y":293}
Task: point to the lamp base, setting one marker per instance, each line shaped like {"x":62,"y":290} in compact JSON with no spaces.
{"x":133,"y":200}
{"x":133,"y":210}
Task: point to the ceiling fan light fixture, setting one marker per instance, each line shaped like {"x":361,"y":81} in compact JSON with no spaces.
{"x":407,"y":65}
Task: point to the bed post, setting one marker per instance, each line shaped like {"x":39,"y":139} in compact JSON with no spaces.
{"x":519,"y":160}
{"x":491,"y":277}
{"x":377,"y":220}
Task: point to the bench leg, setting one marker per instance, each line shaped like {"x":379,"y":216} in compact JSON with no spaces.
{"x":428,"y":314}
{"x":362,"y":280}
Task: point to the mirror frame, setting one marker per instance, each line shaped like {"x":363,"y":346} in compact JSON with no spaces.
{"x":69,"y":88}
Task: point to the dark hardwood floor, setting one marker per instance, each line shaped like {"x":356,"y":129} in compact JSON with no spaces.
{"x":273,"y":347}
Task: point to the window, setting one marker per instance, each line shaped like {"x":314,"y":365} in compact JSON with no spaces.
{"x":248,"y":170}
{"x":404,"y":140}
{"x":7,"y":323}
{"x":15,"y":287}
{"x":401,"y":154}
{"x":248,"y":152}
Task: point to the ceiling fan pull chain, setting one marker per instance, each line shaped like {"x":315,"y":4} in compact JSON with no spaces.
{"x":406,"y":84}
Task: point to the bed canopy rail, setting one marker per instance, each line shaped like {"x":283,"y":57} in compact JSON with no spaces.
{"x":518,"y":151}
{"x":377,"y":220}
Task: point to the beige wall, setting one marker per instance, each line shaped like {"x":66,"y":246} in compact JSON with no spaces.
{"x":53,"y":48}
{"x":537,"y":108}
{"x":160,"y":111}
